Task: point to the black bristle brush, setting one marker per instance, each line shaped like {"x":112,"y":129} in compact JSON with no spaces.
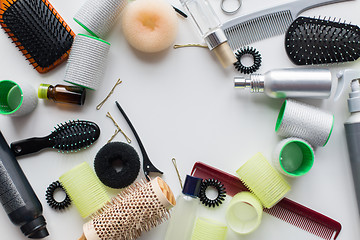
{"x":310,"y":41}
{"x":71,"y":136}
{"x":38,"y":31}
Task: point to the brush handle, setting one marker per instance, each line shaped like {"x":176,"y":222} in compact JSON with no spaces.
{"x":303,"y":5}
{"x":30,"y":145}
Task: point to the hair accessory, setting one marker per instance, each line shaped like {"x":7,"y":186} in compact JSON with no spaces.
{"x":17,"y":99}
{"x":107,"y":97}
{"x":287,"y":210}
{"x":233,"y":11}
{"x":208,"y":229}
{"x":87,"y":62}
{"x":248,"y":51}
{"x":293,"y":157}
{"x":244,"y":30}
{"x":38,"y":31}
{"x":67,"y":137}
{"x":84,"y":189}
{"x":319,"y":41}
{"x":118,"y":129}
{"x":135,"y":210}
{"x":173,"y":160}
{"x":289,"y":82}
{"x":117,"y":153}
{"x":98,"y":16}
{"x":263,"y":180}
{"x":148,"y":167}
{"x":218,"y":186}
{"x":208,"y":24}
{"x":50,"y":196}
{"x":304,"y":121}
{"x":244,"y":213}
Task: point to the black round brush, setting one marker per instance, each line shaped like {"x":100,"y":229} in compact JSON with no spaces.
{"x":310,"y":41}
{"x":68,"y":137}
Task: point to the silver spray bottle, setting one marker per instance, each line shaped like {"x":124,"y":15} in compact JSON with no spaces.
{"x":290,"y":82}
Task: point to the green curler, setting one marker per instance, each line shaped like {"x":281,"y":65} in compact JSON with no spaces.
{"x":244,"y":213}
{"x":207,"y":229}
{"x":84,"y":189}
{"x":263,"y":180}
{"x":293,"y":157}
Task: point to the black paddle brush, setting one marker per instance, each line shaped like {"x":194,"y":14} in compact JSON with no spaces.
{"x":38,"y":31}
{"x":71,"y":136}
{"x":310,"y":41}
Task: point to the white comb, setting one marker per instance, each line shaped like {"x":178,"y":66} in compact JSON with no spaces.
{"x":267,"y":23}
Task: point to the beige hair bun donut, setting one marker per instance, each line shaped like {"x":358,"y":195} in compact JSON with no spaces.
{"x":149,"y":25}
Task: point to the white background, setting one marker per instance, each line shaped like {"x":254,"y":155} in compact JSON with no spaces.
{"x":183,"y":105}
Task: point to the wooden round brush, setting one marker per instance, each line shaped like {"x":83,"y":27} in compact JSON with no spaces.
{"x":139,"y":208}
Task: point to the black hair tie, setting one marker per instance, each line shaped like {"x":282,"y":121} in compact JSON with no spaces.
{"x":248,"y":51}
{"x":50,"y":196}
{"x":218,"y":186}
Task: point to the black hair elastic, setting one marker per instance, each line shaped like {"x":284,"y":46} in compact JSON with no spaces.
{"x":218,"y":186}
{"x":256,"y":58}
{"x":50,"y":196}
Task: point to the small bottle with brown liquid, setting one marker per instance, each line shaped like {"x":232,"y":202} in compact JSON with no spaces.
{"x":62,"y":93}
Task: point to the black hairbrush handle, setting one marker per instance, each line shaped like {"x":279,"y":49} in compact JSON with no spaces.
{"x":30,"y":145}
{"x":147,"y":164}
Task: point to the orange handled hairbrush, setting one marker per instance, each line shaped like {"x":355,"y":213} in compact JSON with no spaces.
{"x":38,"y":31}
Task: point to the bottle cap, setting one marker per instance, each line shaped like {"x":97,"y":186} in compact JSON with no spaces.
{"x":42,"y":91}
{"x":192,"y":186}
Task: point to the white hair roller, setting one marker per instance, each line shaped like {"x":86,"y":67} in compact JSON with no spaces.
{"x":87,"y":61}
{"x":304,"y":121}
{"x":98,"y":16}
{"x":17,"y":99}
{"x":293,"y":157}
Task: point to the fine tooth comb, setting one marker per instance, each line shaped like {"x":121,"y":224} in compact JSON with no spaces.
{"x":311,"y":41}
{"x":267,"y":23}
{"x":38,"y":31}
{"x":286,"y":210}
{"x":71,"y":136}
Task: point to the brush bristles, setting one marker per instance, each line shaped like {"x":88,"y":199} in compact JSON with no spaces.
{"x":318,"y":41}
{"x":37,"y":30}
{"x":257,"y":29}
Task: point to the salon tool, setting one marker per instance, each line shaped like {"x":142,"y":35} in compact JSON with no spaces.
{"x":230,"y":12}
{"x":118,"y":128}
{"x":98,"y":16}
{"x":117,"y":153}
{"x":208,"y":25}
{"x":118,"y":82}
{"x":300,"y":120}
{"x":289,"y":82}
{"x":311,"y":41}
{"x":352,"y":124}
{"x":38,"y":31}
{"x":147,"y":203}
{"x":183,"y":215}
{"x":263,"y":180}
{"x":180,"y":12}
{"x":52,"y":202}
{"x":67,"y":137}
{"x":244,"y":213}
{"x":17,"y":196}
{"x":243,"y":30}
{"x":148,"y":167}
{"x":17,"y":99}
{"x":293,"y":157}
{"x":247,"y":51}
{"x":84,"y":189}
{"x":208,"y":229}
{"x":87,"y":62}
{"x":286,"y":210}
{"x":61,"y":93}
{"x":204,"y":199}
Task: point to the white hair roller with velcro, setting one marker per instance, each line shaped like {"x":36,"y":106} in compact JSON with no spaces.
{"x":304,"y":121}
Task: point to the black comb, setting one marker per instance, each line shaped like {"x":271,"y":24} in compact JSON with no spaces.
{"x":147,"y":164}
{"x":71,"y":136}
{"x":38,"y":31}
{"x":310,"y":41}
